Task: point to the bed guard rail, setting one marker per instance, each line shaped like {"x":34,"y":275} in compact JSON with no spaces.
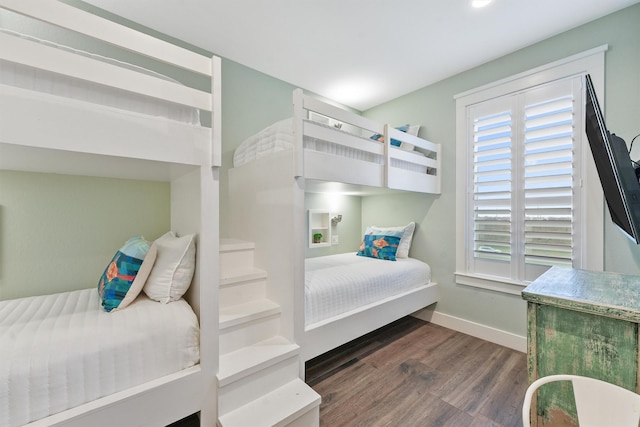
{"x":68,"y":17}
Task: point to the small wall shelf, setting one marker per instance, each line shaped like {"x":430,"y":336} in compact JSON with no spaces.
{"x":319,"y":223}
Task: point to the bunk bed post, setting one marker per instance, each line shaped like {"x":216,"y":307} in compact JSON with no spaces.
{"x":298,"y":131}
{"x":216,"y":110}
{"x":208,"y":263}
{"x":438,"y":189}
{"x":209,"y":260}
{"x":387,"y":155}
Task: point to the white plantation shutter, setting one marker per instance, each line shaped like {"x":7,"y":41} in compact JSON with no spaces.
{"x":521,"y":217}
{"x":528,"y":195}
{"x":492,"y":187}
{"x":548,"y":182}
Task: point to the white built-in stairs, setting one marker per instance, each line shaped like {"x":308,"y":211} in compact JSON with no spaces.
{"x":259,"y":370}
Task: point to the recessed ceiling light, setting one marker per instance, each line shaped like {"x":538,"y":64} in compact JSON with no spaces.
{"x":480,"y":3}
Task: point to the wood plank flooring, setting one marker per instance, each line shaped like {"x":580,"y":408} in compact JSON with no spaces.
{"x":414,"y":373}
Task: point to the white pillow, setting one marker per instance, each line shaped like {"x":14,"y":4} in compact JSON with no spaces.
{"x":173,"y":270}
{"x":413,"y":130}
{"x":405,"y":240}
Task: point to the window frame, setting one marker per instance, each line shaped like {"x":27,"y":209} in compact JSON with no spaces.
{"x":591,"y":195}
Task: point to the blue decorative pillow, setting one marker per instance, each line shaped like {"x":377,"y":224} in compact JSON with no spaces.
{"x":381,"y":246}
{"x":119,"y":275}
{"x":394,"y":142}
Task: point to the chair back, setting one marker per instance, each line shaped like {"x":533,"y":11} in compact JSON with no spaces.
{"x":598,"y":403}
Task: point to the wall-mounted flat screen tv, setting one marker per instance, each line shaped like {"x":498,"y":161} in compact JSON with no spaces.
{"x":615,"y":168}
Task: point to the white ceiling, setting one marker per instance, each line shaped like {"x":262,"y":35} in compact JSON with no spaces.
{"x":361,"y":52}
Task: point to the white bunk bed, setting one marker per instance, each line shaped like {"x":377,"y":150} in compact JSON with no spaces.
{"x":342,"y":149}
{"x":61,"y":132}
{"x":267,"y":189}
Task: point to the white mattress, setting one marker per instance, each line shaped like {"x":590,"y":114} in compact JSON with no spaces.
{"x":336,"y":284}
{"x":26,"y":77}
{"x":59,"y":351}
{"x":279,"y":137}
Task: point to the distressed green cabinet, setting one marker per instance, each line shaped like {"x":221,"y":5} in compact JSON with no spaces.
{"x":583,"y":323}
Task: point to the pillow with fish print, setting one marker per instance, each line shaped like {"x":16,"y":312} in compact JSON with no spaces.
{"x":381,"y":245}
{"x":116,"y":285}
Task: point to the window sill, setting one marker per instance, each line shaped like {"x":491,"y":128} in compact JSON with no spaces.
{"x":490,"y":283}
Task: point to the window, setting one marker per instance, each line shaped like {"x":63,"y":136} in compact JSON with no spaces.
{"x":523,"y":162}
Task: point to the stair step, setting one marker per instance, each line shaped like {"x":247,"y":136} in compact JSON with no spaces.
{"x":281,"y":407}
{"x":227,"y":245}
{"x":247,"y":312}
{"x":237,"y":337}
{"x":235,"y":255}
{"x":253,"y":358}
{"x":242,"y":286}
{"x":242,"y":275}
{"x":252,"y":387}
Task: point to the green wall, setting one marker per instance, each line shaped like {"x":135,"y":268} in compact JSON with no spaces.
{"x":251,"y":101}
{"x":434,"y":108}
{"x":349,"y":230}
{"x":59,"y":232}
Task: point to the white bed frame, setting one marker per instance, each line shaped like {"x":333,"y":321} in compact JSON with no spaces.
{"x":105,"y":141}
{"x":267,"y":202}
{"x":317,"y":165}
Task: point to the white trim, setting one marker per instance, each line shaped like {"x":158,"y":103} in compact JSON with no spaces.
{"x":546,"y":67}
{"x":487,"y":333}
{"x":490,"y":283}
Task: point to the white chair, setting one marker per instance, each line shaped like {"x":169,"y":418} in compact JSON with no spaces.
{"x":598,"y":403}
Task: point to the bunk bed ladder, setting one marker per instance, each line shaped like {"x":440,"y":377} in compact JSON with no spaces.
{"x":258,"y":378}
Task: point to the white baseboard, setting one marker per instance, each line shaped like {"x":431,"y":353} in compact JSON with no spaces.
{"x":478,"y":330}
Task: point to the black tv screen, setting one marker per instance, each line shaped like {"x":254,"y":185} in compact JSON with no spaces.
{"x":615,"y":168}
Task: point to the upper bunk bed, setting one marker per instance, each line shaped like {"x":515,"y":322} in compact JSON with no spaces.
{"x":112,"y":103}
{"x":63,"y":110}
{"x":336,"y":145}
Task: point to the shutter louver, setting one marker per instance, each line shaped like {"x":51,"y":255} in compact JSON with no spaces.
{"x":548,"y":182}
{"x":492,"y":186}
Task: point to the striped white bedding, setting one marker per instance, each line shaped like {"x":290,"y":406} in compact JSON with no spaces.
{"x":62,"y":350}
{"x":336,"y":284}
{"x":279,"y":137}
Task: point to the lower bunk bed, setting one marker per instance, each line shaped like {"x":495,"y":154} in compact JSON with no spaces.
{"x":64,"y":350}
{"x":347,"y":296}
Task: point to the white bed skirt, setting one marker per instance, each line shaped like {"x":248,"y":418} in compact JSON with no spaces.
{"x":62,"y":350}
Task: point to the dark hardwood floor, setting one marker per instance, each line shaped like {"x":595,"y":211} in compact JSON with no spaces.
{"x":414,"y":373}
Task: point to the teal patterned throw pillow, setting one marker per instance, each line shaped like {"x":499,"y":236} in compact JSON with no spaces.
{"x":121,"y":272}
{"x":381,"y":246}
